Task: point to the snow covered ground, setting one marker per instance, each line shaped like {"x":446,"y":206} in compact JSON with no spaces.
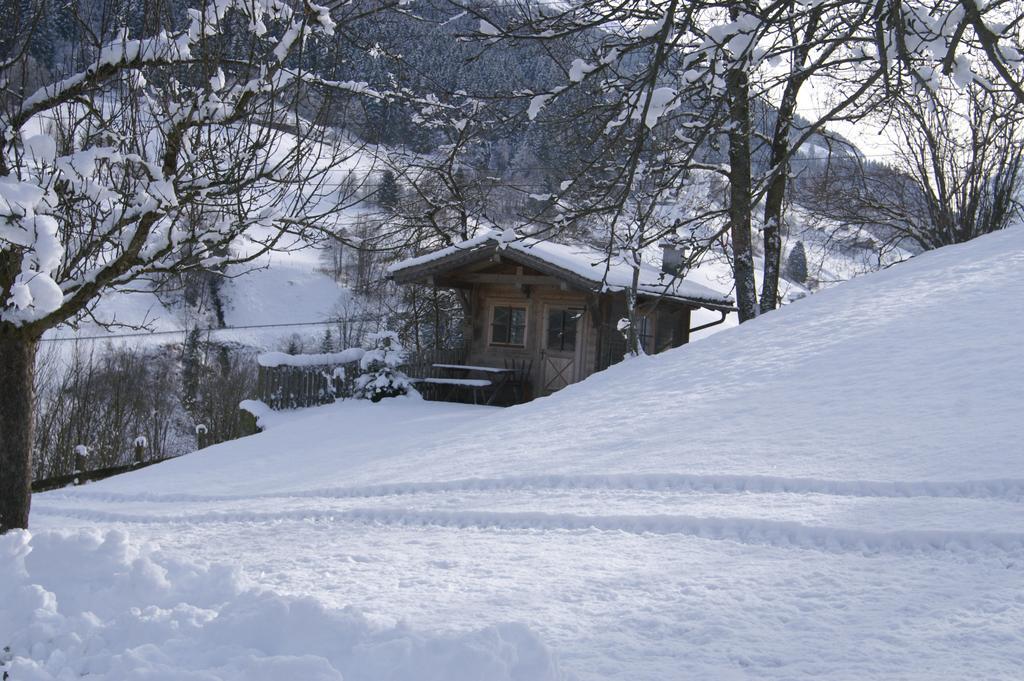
{"x":834,"y":491}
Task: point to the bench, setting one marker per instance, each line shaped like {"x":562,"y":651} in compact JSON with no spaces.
{"x":470,"y":367}
{"x":474,"y":385}
{"x":468,"y":382}
{"x":457,"y":378}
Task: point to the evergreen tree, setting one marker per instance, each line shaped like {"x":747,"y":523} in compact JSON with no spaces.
{"x":327,"y":342}
{"x":796,"y":264}
{"x":381,"y":376}
{"x":224,"y":360}
{"x":191,"y":369}
{"x":387,"y":192}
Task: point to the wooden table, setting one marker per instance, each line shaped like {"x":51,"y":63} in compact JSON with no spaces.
{"x":461,"y":375}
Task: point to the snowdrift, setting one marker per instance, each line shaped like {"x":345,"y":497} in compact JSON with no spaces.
{"x":94,"y":605}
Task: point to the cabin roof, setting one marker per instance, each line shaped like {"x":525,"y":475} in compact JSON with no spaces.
{"x":585,"y":267}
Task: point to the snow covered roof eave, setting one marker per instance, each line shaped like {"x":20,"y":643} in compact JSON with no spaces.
{"x":717,"y":306}
{"x":422,"y":267}
{"x":414,"y":269}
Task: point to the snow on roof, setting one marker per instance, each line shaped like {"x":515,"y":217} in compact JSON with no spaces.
{"x":585,"y":262}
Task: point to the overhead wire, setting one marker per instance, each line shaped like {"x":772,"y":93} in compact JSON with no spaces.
{"x":140,"y":334}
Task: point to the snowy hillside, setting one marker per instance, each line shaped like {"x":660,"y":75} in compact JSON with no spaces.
{"x":833,"y":491}
{"x":280,"y":288}
{"x":284,"y":289}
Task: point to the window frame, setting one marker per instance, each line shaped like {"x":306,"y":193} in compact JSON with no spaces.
{"x":493,"y":306}
{"x":564,"y":313}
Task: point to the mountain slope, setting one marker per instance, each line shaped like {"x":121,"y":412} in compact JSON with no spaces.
{"x":835,"y":490}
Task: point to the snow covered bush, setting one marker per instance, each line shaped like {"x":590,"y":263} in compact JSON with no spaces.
{"x":381,"y":376}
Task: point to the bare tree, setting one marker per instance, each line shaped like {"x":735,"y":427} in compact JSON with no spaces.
{"x":930,"y":43}
{"x":698,"y":71}
{"x":187,"y":148}
{"x":677,"y":82}
{"x":958,"y":174}
{"x":965,"y":157}
{"x":104,"y":398}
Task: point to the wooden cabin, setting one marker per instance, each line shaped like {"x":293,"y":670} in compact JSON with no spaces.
{"x":557,"y":307}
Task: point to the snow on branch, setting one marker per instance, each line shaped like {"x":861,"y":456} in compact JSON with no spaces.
{"x":161,"y":154}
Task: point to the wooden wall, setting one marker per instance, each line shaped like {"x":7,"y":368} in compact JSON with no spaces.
{"x":535,"y":299}
{"x":599,"y":343}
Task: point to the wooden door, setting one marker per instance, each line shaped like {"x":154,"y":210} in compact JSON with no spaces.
{"x":560,"y":346}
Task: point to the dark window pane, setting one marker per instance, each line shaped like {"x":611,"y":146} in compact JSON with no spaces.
{"x":501,"y":316}
{"x":509,"y":326}
{"x":518,"y":316}
{"x":499,"y":327}
{"x":562,"y":329}
{"x":517,"y":335}
{"x":555,"y":329}
{"x":664,"y":330}
{"x":517,"y":326}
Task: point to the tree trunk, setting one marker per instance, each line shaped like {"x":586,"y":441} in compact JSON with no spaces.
{"x":777,"y":187}
{"x":17,"y":423}
{"x":635,"y":347}
{"x":772,"y":242}
{"x":773,"y":202}
{"x":739,"y":192}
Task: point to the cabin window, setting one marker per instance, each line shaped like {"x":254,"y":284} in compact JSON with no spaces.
{"x":508,"y":326}
{"x":562,"y":329}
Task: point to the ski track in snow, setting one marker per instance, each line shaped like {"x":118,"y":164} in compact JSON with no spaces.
{"x":742,"y":530}
{"x":544,"y":512}
{"x":725,"y":484}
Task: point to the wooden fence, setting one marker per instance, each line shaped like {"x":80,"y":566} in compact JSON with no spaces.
{"x":82,"y":477}
{"x":287,"y":386}
{"x":291,"y":387}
